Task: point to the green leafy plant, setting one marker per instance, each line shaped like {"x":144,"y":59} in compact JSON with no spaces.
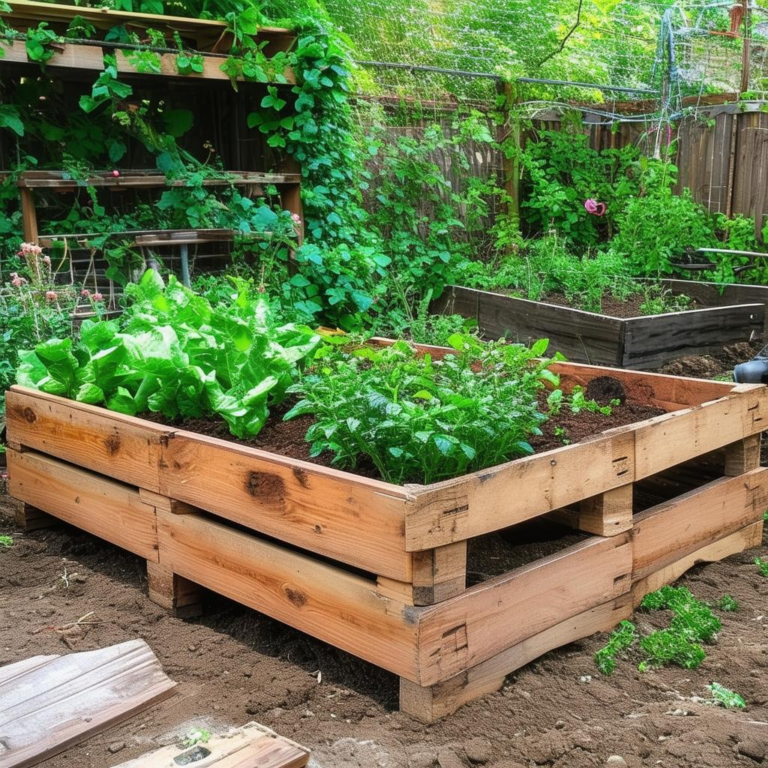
{"x":423,"y":420}
{"x":178,"y":356}
{"x":725,"y":697}
{"x":762,"y":566}
{"x":39,"y":41}
{"x":692,"y":623}
{"x":200,"y":736}
{"x":728,"y":604}
{"x":620,"y":640}
{"x":6,"y":542}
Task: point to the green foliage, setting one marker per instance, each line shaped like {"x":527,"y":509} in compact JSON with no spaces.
{"x":762,"y":566}
{"x":39,"y":41}
{"x":562,"y":171}
{"x":6,"y":542}
{"x":692,"y":623}
{"x":544,"y":266}
{"x":177,"y":355}
{"x":728,"y":604}
{"x":725,"y":697}
{"x":422,"y":420}
{"x":620,"y":640}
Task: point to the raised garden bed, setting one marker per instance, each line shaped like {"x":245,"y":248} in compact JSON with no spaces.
{"x":642,"y":343}
{"x":381,"y":570}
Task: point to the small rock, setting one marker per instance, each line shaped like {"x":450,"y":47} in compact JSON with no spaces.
{"x":752,"y":748}
{"x":116,"y":747}
{"x":277,"y":711}
{"x":478,"y":750}
{"x":372,"y":713}
{"x":560,"y":724}
{"x":616,"y":761}
{"x":308,"y":713}
{"x":585,"y":679}
{"x":247,"y":673}
{"x":421,"y":760}
{"x":192,"y":647}
{"x":447,"y":758}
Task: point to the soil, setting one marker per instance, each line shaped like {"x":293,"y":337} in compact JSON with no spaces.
{"x":234,"y":665}
{"x":718,"y":365}
{"x":610,"y":305}
{"x":286,"y":438}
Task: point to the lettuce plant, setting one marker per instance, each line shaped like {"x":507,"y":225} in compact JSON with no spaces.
{"x":177,"y":355}
{"x":422,"y":420}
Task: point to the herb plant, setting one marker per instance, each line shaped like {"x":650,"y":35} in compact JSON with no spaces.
{"x":421,"y":420}
{"x":725,"y":697}
{"x":621,"y":639}
{"x":762,"y":566}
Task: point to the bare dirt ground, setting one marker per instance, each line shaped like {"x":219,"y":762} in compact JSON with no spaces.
{"x":235,"y":665}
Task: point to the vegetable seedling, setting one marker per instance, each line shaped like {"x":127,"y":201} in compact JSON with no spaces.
{"x":725,"y":697}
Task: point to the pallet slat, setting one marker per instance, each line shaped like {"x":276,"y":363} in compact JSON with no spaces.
{"x":109,"y":510}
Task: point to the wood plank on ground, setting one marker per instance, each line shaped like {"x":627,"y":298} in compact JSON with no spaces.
{"x":48,"y":706}
{"x":252,"y":746}
{"x":107,"y":509}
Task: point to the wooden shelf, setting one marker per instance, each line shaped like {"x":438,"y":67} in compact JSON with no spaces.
{"x":78,"y":56}
{"x":207,"y":33}
{"x":58,"y":180}
{"x":158,"y":237}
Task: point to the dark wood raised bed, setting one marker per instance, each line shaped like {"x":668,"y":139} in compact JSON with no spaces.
{"x":642,"y":343}
{"x":380,"y":570}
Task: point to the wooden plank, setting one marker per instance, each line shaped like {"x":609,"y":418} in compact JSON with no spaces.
{"x":510,"y":493}
{"x":110,"y":443}
{"x":247,"y":747}
{"x":650,"y":342}
{"x":57,"y":180}
{"x":428,"y":704}
{"x":439,"y":573}
{"x":747,"y":538}
{"x":670,"y":531}
{"x":333,"y":605}
{"x":343,"y":516}
{"x":48,"y":708}
{"x":673,"y":438}
{"x":668,"y":392}
{"x":579,"y":335}
{"x":107,"y":509}
{"x":607,"y":514}
{"x":211,"y":69}
{"x":489,"y":618}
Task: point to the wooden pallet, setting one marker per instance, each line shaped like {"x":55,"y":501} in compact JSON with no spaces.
{"x":641,"y":343}
{"x":381,"y":570}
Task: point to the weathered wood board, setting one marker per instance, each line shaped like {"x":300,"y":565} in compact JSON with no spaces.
{"x":642,"y":343}
{"x":49,"y":703}
{"x":252,"y":746}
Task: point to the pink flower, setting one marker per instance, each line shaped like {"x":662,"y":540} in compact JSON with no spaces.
{"x":50,"y":296}
{"x":116,"y":173}
{"x":47,"y":261}
{"x":85,"y":293}
{"x":30,"y":249}
{"x":296,"y":218}
{"x":261,"y":289}
{"x":17,"y":281}
{"x":97,"y":297}
{"x":596,"y":209}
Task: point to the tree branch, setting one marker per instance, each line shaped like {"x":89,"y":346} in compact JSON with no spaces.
{"x":565,"y":39}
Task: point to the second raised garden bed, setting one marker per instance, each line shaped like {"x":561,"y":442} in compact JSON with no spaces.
{"x":385,"y":571}
{"x":641,"y":343}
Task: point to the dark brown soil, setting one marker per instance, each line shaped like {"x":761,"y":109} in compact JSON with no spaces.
{"x":235,"y":665}
{"x":286,"y":438}
{"x":717,"y":365}
{"x":610,"y":305}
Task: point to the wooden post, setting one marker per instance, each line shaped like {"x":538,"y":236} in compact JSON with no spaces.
{"x":439,"y":573}
{"x":510,"y":134}
{"x":743,"y":456}
{"x":30,"y":518}
{"x":746,"y":47}
{"x":180,"y":596}
{"x":28,"y":215}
